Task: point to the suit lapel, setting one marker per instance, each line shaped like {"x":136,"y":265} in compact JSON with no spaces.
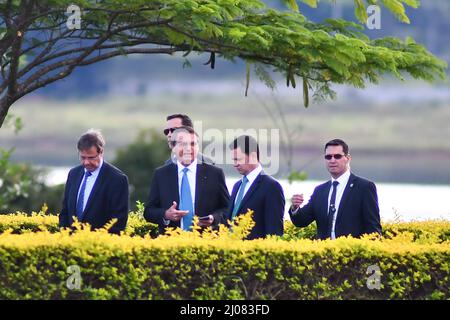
{"x":78,"y":177}
{"x":97,"y":186}
{"x":324,"y":199}
{"x":200,"y":182}
{"x":234,"y":192}
{"x":255,"y":185}
{"x":173,"y":182}
{"x":347,"y":192}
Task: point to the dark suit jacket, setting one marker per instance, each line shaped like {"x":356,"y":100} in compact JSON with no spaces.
{"x":211,"y":194}
{"x":358,"y":212}
{"x":266,"y":198}
{"x":109,"y":199}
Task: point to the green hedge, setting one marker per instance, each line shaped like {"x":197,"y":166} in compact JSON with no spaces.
{"x":20,"y":223}
{"x":433,"y":231}
{"x":34,"y":266}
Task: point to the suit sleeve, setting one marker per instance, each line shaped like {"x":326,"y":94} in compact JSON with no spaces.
{"x":64,"y":218}
{"x":305,"y":215}
{"x":153,"y":211}
{"x":274,"y":210}
{"x":119,"y":199}
{"x":371,"y":211}
{"x":223,"y":199}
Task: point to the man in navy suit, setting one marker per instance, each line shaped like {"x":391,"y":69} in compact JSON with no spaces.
{"x":96,"y":192}
{"x":186,"y":188}
{"x":256,"y":191}
{"x":345,"y":205}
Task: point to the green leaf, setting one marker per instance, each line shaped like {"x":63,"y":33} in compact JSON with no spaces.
{"x":292,"y":4}
{"x":311,"y":3}
{"x":236,"y":35}
{"x":360,"y":11}
{"x":397,"y":8}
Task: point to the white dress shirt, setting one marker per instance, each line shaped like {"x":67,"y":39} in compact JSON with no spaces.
{"x":251,"y":176}
{"x":192,"y":177}
{"x":89,"y":184}
{"x":343,"y":180}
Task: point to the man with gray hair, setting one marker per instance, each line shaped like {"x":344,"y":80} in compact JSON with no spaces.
{"x":96,"y":192}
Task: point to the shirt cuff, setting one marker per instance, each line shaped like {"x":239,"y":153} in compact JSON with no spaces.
{"x":166,"y":222}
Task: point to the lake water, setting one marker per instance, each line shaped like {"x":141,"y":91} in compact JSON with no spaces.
{"x":397,"y":201}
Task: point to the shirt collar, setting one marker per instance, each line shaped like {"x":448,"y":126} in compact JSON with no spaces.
{"x":192,"y":167}
{"x":254,"y":174}
{"x":343,"y":179}
{"x":96,"y":171}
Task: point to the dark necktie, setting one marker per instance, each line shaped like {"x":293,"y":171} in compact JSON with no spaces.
{"x":80,"y":200}
{"x":332,"y":207}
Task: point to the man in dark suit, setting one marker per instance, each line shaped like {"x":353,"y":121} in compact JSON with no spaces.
{"x":186,"y":188}
{"x":256,"y":191}
{"x":345,"y":205}
{"x":173,"y":122}
{"x":96,"y":192}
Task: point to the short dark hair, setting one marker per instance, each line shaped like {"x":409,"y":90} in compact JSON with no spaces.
{"x":185,"y":120}
{"x":337,"y":142}
{"x":92,"y":138}
{"x":182,"y":129}
{"x":247,"y":144}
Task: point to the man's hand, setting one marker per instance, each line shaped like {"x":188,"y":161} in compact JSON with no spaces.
{"x":206,"y":221}
{"x":297,"y":200}
{"x":173,"y":214}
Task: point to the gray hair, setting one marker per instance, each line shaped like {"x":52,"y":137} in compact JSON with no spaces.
{"x":92,"y":138}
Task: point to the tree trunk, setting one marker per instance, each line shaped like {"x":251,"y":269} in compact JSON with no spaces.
{"x":4,"y":107}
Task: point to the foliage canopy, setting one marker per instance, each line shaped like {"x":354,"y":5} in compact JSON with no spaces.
{"x":37,"y":47}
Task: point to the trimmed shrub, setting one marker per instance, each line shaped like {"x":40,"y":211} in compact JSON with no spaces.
{"x":193,"y":266}
{"x":432,"y":231}
{"x":20,"y":223}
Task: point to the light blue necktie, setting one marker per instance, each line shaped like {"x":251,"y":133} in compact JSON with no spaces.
{"x":80,"y":200}
{"x":239,"y":197}
{"x":186,"y":201}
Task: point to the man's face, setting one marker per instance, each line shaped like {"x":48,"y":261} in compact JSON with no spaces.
{"x":170,"y":125}
{"x":336,"y":167}
{"x":186,"y":147}
{"x":90,"y":158}
{"x":243,"y":163}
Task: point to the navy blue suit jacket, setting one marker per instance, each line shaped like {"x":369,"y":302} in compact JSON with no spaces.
{"x":211,"y":194}
{"x":109,"y":199}
{"x":358,"y":211}
{"x":266,"y":198}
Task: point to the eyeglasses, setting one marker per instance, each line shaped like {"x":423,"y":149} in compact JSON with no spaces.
{"x":171,"y":130}
{"x":88,"y":158}
{"x":336,"y":156}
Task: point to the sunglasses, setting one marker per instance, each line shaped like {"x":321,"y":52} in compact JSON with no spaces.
{"x":171,"y":130}
{"x":336,"y":156}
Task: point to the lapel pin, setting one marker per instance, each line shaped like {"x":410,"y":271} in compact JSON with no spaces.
{"x":351,"y":185}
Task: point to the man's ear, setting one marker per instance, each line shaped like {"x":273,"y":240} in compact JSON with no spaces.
{"x":253,"y":158}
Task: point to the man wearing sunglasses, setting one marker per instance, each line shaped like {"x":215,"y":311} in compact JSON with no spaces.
{"x":345,"y":205}
{"x":96,"y":192}
{"x":173,"y":122}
